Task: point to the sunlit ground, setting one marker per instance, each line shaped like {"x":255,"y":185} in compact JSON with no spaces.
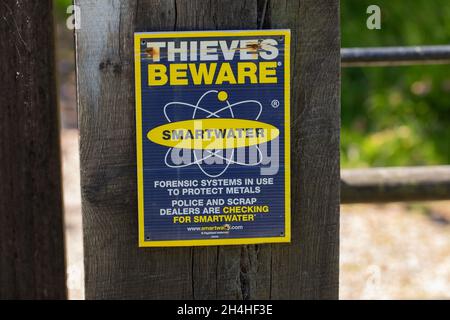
{"x":395,"y":251}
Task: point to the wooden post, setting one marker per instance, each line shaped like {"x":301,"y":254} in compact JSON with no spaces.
{"x":31,"y":216}
{"x":115,"y":266}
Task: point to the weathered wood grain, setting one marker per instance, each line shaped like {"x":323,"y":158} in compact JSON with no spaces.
{"x":31,"y":216}
{"x":115,"y":266}
{"x":309,"y":267}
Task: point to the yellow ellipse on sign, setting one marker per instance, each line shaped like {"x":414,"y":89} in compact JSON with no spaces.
{"x":213,"y":134}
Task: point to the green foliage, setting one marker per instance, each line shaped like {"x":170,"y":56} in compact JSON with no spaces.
{"x":396,"y":115}
{"x":61,"y":7}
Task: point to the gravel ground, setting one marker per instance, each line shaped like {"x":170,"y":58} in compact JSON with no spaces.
{"x":394,"y":251}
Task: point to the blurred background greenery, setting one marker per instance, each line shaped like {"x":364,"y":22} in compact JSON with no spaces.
{"x":391,"y":116}
{"x":395,"y":116}
{"x":61,"y":7}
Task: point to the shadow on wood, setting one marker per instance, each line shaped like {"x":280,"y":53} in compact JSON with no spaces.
{"x":31,"y":216}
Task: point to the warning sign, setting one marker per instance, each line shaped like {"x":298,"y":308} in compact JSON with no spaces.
{"x":212,"y":130}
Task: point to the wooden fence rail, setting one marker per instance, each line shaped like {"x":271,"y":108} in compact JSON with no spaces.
{"x":395,"y":184}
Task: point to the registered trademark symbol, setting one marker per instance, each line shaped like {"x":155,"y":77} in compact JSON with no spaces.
{"x":275,"y":103}
{"x":279,"y":63}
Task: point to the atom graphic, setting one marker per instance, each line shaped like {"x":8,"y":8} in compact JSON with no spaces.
{"x":202,"y":110}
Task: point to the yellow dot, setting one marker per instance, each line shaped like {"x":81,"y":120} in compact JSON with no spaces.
{"x":222,"y":96}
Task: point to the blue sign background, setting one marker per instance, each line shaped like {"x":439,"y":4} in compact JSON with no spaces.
{"x":158,"y":227}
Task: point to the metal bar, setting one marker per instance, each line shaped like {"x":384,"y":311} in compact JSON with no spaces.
{"x":395,"y":56}
{"x":395,"y":184}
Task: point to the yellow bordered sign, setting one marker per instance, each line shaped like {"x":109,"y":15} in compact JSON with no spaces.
{"x":213,"y":139}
